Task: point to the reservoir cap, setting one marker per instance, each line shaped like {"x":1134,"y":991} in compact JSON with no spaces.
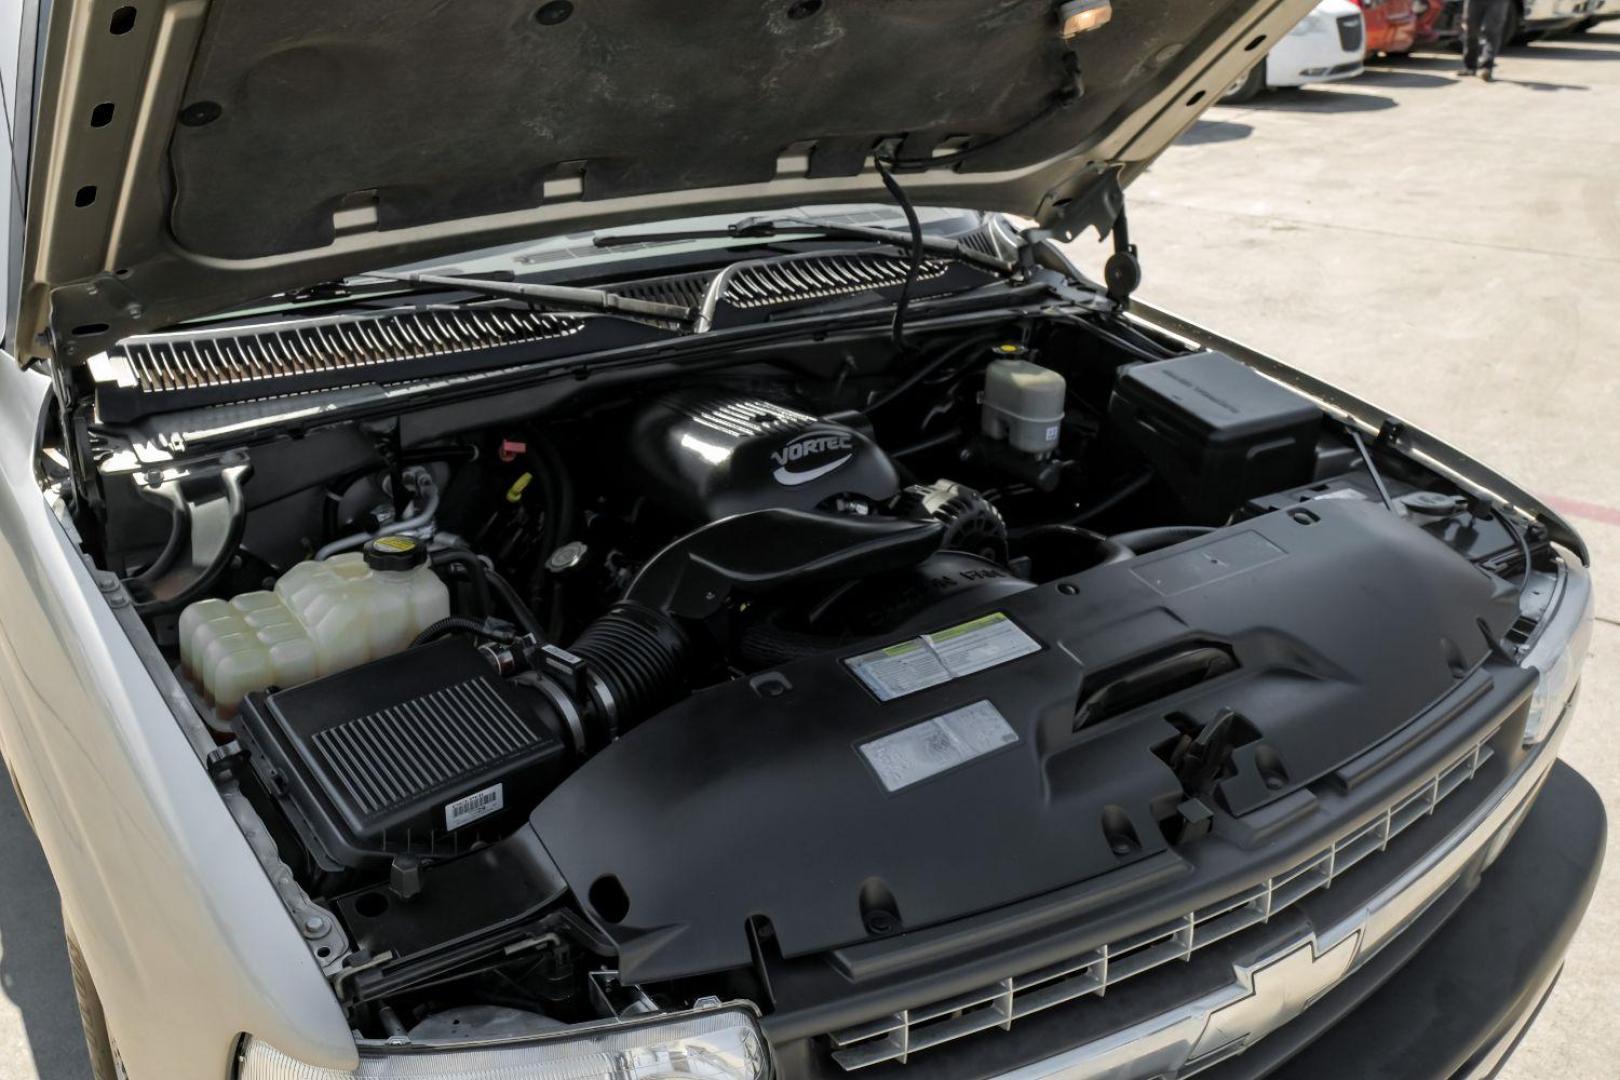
{"x":394,"y":553}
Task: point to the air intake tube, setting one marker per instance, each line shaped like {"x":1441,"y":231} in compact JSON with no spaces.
{"x":639,"y":657}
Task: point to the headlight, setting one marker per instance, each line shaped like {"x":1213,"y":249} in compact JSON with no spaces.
{"x":1560,"y":649}
{"x":1313,"y":23}
{"x":715,"y":1044}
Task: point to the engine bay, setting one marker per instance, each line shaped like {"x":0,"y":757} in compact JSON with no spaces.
{"x":629,"y":698}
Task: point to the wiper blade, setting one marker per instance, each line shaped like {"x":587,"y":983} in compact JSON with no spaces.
{"x":564,"y":297}
{"x":776,"y":228}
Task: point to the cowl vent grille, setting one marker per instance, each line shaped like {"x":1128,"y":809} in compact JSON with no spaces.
{"x":685,"y":290}
{"x":794,"y":280}
{"x":320,"y":346}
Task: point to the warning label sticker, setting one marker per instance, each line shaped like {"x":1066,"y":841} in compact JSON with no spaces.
{"x":904,"y":757}
{"x":936,"y":658}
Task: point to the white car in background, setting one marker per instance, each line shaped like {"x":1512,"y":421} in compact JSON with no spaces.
{"x":1540,"y":17}
{"x":1328,"y":44}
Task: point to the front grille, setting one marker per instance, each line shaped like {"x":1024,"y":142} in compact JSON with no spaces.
{"x":234,"y":357}
{"x":1350,"y":32}
{"x":897,"y":1036}
{"x":793,"y":280}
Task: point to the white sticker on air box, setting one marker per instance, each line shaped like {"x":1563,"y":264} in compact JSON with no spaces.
{"x":902,"y":758}
{"x":908,"y":666}
{"x":469,"y":808}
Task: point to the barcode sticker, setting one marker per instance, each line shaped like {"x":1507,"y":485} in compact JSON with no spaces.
{"x":469,"y":808}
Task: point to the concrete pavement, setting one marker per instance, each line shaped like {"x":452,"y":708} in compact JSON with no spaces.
{"x":1447,"y":249}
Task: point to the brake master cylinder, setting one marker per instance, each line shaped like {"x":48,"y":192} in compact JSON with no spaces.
{"x":1021,"y":416}
{"x":321,"y":617}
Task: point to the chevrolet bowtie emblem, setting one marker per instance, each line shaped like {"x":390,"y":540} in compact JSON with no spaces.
{"x":1279,"y":989}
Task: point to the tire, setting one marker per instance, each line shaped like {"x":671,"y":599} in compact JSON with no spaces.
{"x":103,"y":1062}
{"x":1246,"y":88}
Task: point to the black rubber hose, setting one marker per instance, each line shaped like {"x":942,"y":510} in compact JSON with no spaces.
{"x":914,"y":256}
{"x":955,"y":352}
{"x":485,"y":579}
{"x":1110,"y":501}
{"x":474,"y":569}
{"x":557,"y":491}
{"x":454,"y":623}
{"x":642,"y":659}
{"x":1142,"y":541}
{"x":521,"y":612}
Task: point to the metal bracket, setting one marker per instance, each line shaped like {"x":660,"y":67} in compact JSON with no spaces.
{"x":207,"y":513}
{"x":83,"y":312}
{"x":1100,"y":205}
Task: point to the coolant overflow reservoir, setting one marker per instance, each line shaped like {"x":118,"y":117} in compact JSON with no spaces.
{"x":322,"y":617}
{"x":1023,"y":402}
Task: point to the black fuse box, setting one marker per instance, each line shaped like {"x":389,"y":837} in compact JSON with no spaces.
{"x":1215,"y":430}
{"x":425,"y":752}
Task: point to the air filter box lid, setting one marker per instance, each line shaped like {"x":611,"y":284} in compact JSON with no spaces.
{"x":424,"y":752}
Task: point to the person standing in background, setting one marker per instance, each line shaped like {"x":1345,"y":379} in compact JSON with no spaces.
{"x":1484,"y":22}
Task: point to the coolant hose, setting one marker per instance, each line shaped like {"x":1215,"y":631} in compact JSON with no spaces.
{"x":474,"y":569}
{"x":484,"y":579}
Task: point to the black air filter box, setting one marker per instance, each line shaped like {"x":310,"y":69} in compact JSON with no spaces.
{"x":1217,"y":431}
{"x":425,"y":752}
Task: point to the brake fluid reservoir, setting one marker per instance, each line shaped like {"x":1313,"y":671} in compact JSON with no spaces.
{"x":1023,"y":402}
{"x":322,"y":617}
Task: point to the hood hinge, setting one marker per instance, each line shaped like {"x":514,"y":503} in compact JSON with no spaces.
{"x":207,"y":513}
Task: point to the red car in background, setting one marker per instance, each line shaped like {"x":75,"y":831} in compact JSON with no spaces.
{"x":1391,"y":25}
{"x":1437,"y":20}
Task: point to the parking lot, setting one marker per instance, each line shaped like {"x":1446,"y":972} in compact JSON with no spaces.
{"x":1445,"y":248}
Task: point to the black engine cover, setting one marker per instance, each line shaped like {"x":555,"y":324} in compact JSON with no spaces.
{"x":705,"y":455}
{"x":756,"y":799}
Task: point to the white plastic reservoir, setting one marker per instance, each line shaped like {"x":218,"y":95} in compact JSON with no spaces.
{"x":320,"y":618}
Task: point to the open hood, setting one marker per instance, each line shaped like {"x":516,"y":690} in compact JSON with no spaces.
{"x":195,"y":155}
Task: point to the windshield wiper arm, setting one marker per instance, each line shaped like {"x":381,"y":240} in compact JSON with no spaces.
{"x":565,"y":297}
{"x":772,"y":228}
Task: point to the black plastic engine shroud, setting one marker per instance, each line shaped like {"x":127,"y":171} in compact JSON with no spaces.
{"x":749,"y":801}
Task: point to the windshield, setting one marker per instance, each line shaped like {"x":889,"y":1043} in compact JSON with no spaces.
{"x":576,"y":255}
{"x":579,"y":249}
